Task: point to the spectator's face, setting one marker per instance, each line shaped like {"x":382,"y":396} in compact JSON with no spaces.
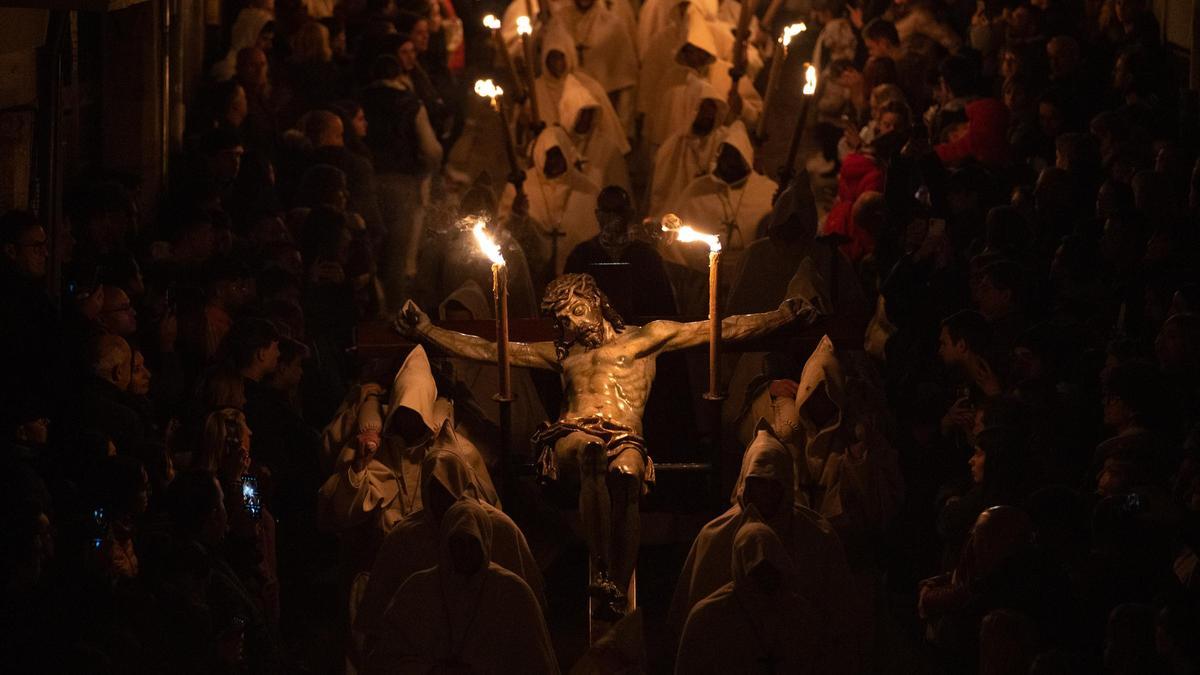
{"x":951,"y":352}
{"x":139,"y":381}
{"x":238,"y":108}
{"x":1112,"y":479}
{"x":358,"y":125}
{"x":30,"y":253}
{"x":407,"y":55}
{"x":289,"y":374}
{"x":1128,"y":10}
{"x":1026,"y":364}
{"x":34,"y":432}
{"x":266,"y":40}
{"x":1009,"y":64}
{"x":1117,"y":414}
{"x":993,"y":302}
{"x":876,"y":48}
{"x":1049,"y":119}
{"x":888,"y":122}
{"x":977,"y":461}
{"x":118,"y":316}
{"x":252,"y":69}
{"x":1063,"y":60}
{"x":269,"y":357}
{"x":226,"y":164}
{"x":420,"y":36}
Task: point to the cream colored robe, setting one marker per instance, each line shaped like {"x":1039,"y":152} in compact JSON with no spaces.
{"x":685,"y":156}
{"x":608,"y":49}
{"x":488,"y":621}
{"x":549,"y":89}
{"x":742,"y":628}
{"x":710,"y":204}
{"x":566,"y":203}
{"x":604,"y":147}
{"x":412,"y":545}
{"x":822,"y":574}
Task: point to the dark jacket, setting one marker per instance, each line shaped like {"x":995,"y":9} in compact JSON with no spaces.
{"x":391,"y":127}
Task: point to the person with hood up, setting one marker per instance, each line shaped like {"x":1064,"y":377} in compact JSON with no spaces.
{"x":688,"y":153}
{"x":254,"y":27}
{"x":376,"y":480}
{"x":698,"y":55}
{"x":412,"y":545}
{"x":560,"y":197}
{"x":732,"y":197}
{"x":599,"y":138}
{"x":604,"y":45}
{"x":560,"y":65}
{"x":756,"y":623}
{"x":465,"y":614}
{"x":765,"y":491}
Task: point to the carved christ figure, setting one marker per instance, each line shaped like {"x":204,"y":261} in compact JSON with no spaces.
{"x":607,"y":369}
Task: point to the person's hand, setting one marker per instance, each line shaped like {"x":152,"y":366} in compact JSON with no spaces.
{"x":853,"y":139}
{"x":799,"y":308}
{"x":365,"y":452}
{"x":984,"y":377}
{"x":783,"y":388}
{"x":856,"y":17}
{"x":168,"y":331}
{"x":960,"y":415}
{"x":411,"y":322}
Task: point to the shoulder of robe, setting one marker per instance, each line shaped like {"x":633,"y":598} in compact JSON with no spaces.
{"x":720,"y":522}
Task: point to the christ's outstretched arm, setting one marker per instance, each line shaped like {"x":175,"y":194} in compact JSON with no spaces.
{"x":415,"y":324}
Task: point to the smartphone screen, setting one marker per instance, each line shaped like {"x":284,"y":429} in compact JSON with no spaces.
{"x":250,"y":497}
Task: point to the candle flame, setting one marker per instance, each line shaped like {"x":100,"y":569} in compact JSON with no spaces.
{"x":792,"y":31}
{"x":524,"y":27}
{"x":687,"y":234}
{"x":810,"y":79}
{"x":488,"y":89}
{"x":491,"y":22}
{"x":486,"y":243}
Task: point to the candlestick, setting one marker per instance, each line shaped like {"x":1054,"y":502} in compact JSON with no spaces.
{"x":500,"y":295}
{"x":809,"y":92}
{"x":525,"y":30}
{"x":493,"y":24}
{"x":685,"y":233}
{"x":777,"y":61}
{"x":491,"y":91}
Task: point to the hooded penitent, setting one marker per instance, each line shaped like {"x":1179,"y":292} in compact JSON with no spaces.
{"x":466,"y":614}
{"x":669,"y":112}
{"x":549,"y":89}
{"x":566,"y":202}
{"x":605,"y":46}
{"x":686,"y":155}
{"x":482,"y":380}
{"x":756,"y":622}
{"x":412,"y":545}
{"x":603,"y":147}
{"x":732,"y":210}
{"x":822,"y":575}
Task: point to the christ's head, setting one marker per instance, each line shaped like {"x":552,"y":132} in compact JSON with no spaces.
{"x":581,"y":311}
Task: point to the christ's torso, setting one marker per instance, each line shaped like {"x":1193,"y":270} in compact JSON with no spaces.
{"x":610,"y":382}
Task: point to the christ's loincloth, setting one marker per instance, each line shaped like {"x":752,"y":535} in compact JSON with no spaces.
{"x":616,"y":438}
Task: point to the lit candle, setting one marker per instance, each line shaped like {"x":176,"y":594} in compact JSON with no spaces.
{"x":687,"y":234}
{"x":809,"y":91}
{"x":491,"y":23}
{"x":525,"y":30}
{"x":490,"y":90}
{"x":500,"y":294}
{"x":777,"y":61}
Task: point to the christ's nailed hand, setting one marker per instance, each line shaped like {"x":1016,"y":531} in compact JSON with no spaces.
{"x":411,"y":322}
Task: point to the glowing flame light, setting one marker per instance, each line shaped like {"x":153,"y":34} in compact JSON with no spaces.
{"x":810,"y":80}
{"x":488,"y":89}
{"x":491,"y":22}
{"x":686,"y":234}
{"x":790,"y":32}
{"x":524,"y":27}
{"x":486,"y":244}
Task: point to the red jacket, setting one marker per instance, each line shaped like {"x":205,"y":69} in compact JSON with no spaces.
{"x":859,"y":174}
{"x":987,"y":135}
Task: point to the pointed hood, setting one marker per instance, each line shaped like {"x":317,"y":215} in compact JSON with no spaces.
{"x":756,"y":544}
{"x":466,"y":519}
{"x":699,"y":34}
{"x":556,"y":38}
{"x":450,"y":471}
{"x":809,"y":284}
{"x":415,"y":390}
{"x":820,"y":401}
{"x":736,"y":137}
{"x":575,"y":99}
{"x":470,"y":296}
{"x":767,"y":458}
{"x":794,"y":216}
{"x":550,"y":138}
